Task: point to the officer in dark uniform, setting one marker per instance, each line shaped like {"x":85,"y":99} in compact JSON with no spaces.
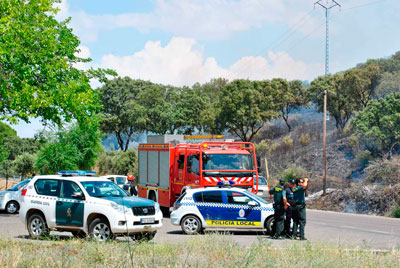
{"x":280,"y":204}
{"x":300,"y":207}
{"x":291,"y":207}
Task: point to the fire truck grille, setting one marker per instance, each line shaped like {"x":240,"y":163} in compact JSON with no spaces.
{"x":143,"y":211}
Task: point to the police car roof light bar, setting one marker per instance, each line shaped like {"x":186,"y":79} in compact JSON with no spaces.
{"x":76,"y":173}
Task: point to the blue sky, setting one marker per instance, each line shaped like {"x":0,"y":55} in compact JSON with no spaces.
{"x":181,"y":42}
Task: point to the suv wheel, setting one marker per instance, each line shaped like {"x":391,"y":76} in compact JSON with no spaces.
{"x":37,"y":226}
{"x":269,"y":226}
{"x":12,"y":207}
{"x":191,"y":225}
{"x":99,"y":229}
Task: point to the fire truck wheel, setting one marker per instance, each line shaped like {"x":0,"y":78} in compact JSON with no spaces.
{"x":269,"y":225}
{"x":191,"y":225}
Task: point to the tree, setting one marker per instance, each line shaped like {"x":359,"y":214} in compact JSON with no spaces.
{"x":76,"y":148}
{"x":24,"y":164}
{"x":123,"y":114}
{"x":6,"y":131}
{"x":340,"y":103}
{"x":288,"y":96}
{"x":38,"y":55}
{"x":245,"y":106}
{"x":379,"y":124}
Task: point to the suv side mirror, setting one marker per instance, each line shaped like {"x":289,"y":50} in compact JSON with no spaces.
{"x":252,"y":203}
{"x":78,"y":195}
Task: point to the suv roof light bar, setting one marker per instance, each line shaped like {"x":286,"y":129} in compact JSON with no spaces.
{"x":76,"y":173}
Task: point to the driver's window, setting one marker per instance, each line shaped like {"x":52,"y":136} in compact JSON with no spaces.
{"x":195,"y":164}
{"x":68,"y":188}
{"x":181,"y":161}
{"x":237,"y":198}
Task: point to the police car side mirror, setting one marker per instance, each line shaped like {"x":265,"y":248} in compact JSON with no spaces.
{"x":78,"y":195}
{"x":252,"y":203}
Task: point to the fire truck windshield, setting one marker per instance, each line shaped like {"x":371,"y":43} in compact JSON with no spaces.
{"x":227,"y":162}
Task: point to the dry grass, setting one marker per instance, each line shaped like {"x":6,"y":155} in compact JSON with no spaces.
{"x":3,"y":184}
{"x":214,"y":250}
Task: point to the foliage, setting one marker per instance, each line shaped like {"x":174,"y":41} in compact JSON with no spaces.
{"x":293,"y":172}
{"x":38,"y":77}
{"x":363,"y":158}
{"x":287,"y":142}
{"x":6,"y":168}
{"x":305,"y":139}
{"x":245,"y":106}
{"x":76,"y":148}
{"x":6,"y":131}
{"x":379,"y":124}
{"x":24,"y":164}
{"x":118,"y":162}
{"x":384,"y":172}
{"x":288,"y":96}
{"x":396,"y":211}
{"x":262,"y":148}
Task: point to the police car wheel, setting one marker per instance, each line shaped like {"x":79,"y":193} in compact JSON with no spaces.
{"x":191,"y":225}
{"x":99,"y":229}
{"x":269,"y":225}
{"x":79,"y":234}
{"x":12,"y":207}
{"x":37,"y":226}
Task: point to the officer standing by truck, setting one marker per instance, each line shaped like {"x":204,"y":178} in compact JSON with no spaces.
{"x":300,"y":208}
{"x":291,"y":207}
{"x":280,"y":205}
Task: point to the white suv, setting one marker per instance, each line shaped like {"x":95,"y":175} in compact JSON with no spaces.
{"x":86,"y":205}
{"x":214,"y":207}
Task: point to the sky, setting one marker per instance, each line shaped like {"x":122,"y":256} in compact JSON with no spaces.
{"x":181,"y":42}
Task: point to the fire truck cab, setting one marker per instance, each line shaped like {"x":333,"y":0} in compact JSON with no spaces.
{"x":169,"y":164}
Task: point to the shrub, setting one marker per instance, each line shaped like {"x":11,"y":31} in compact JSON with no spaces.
{"x":353,"y":142}
{"x":305,"y":139}
{"x":364,"y":157}
{"x":262,"y":148}
{"x":293,"y":172}
{"x":287,"y":142}
{"x":396,"y":211}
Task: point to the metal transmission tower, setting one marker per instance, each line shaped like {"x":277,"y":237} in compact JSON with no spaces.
{"x":329,"y":4}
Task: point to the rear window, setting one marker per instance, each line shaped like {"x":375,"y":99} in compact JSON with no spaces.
{"x":208,"y":197}
{"x":181,"y":197}
{"x":120,"y":180}
{"x":47,"y":187}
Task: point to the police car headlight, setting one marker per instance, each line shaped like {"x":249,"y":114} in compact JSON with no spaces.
{"x":120,"y":208}
{"x":157,"y":206}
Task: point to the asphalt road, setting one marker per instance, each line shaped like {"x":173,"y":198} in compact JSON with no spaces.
{"x":322,"y":226}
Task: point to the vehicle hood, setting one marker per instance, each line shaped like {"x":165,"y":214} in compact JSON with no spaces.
{"x":131,"y":201}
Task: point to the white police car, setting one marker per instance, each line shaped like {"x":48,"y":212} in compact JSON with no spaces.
{"x":9,"y":199}
{"x":215,"y":207}
{"x":86,"y":205}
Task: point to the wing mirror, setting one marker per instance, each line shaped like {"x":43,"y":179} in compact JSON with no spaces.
{"x":78,"y":195}
{"x":252,"y":203}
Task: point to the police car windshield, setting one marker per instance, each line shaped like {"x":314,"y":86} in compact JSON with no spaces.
{"x":103,"y":189}
{"x":227,"y":162}
{"x":259,"y":199}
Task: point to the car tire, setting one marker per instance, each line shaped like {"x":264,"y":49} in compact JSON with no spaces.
{"x":144,"y":236}
{"x":37,"y":226}
{"x":270,"y":226}
{"x":12,"y":207}
{"x":79,"y":234}
{"x":100,"y":230}
{"x":191,"y":225}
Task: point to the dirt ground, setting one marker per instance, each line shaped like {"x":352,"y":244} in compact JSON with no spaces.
{"x":3,"y":184}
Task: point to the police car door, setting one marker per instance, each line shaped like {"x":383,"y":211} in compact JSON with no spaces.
{"x":210,"y":205}
{"x":239,"y":212}
{"x":69,"y":210}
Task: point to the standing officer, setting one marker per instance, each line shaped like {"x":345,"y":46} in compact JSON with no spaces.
{"x":132,"y":188}
{"x":280,"y":204}
{"x":290,"y":209}
{"x":300,"y":208}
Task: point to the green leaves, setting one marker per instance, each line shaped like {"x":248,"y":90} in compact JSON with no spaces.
{"x":38,"y":77}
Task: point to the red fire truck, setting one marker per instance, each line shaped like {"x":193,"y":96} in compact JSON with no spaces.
{"x":168,"y":165}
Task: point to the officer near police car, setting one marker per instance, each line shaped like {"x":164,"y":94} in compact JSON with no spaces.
{"x":299,"y":217}
{"x":280,"y":205}
{"x":291,"y":207}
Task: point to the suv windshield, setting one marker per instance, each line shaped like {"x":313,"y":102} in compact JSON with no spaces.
{"x":103,"y":189}
{"x":227,"y":162}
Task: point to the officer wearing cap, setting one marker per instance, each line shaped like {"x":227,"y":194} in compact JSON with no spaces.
{"x":299,"y":218}
{"x":290,"y":207}
{"x":280,"y":204}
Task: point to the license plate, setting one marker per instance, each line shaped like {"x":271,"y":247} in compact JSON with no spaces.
{"x":147,"y":220}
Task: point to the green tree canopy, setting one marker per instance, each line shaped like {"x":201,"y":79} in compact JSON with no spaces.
{"x":378,"y":126}
{"x":6,"y":131}
{"x":245,"y":107}
{"x":38,"y":55}
{"x":24,"y":164}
